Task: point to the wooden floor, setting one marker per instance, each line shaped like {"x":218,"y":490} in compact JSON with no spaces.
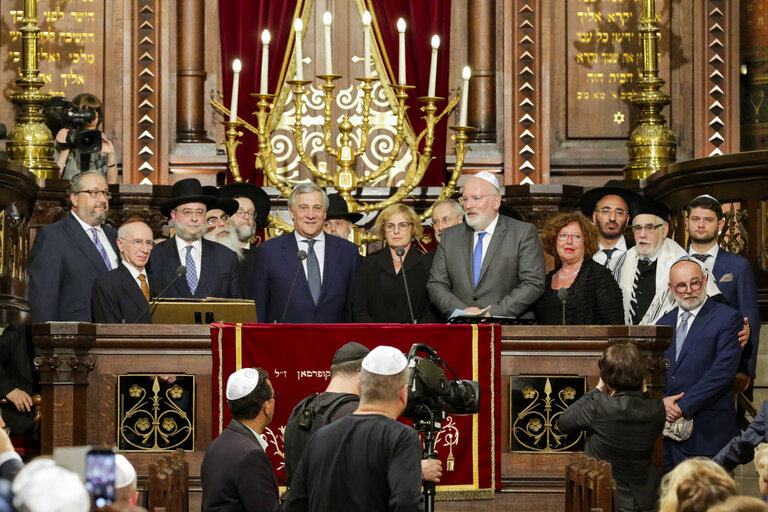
{"x":508,"y":502}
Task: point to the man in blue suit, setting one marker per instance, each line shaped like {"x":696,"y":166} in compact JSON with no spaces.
{"x":68,"y":256}
{"x":732,"y":273}
{"x":741,"y":449}
{"x":704,"y":358}
{"x":212,"y":269}
{"x":317,"y":288}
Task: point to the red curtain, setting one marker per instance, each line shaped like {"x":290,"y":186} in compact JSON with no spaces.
{"x":424,"y":19}
{"x":241,"y":23}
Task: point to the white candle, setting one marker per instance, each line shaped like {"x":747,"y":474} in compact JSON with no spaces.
{"x":264,"y":61}
{"x":298,"y":26}
{"x":236,"y":67}
{"x":327,"y":19}
{"x":433,"y":65}
{"x":401,"y":56}
{"x":367,"y":44}
{"x":465,"y":74}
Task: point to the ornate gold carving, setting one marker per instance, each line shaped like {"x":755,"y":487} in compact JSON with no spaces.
{"x":449,"y":436}
{"x":734,"y":237}
{"x":231,"y":143}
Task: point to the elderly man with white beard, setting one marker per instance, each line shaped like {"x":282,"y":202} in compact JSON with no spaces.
{"x":220,"y":229}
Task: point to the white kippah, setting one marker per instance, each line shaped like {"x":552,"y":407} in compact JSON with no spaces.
{"x":125,"y":474}
{"x":488,"y":177}
{"x":241,"y":383}
{"x":47,"y":487}
{"x":385,"y":360}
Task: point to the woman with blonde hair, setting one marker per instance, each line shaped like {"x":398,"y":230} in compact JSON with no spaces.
{"x":695,"y":485}
{"x":761,"y":465}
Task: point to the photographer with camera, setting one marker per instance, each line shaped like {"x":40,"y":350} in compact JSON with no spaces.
{"x":82,"y":147}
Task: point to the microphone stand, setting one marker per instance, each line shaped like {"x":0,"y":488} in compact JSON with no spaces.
{"x":400,"y":252}
{"x":181,"y":271}
{"x":302,"y":255}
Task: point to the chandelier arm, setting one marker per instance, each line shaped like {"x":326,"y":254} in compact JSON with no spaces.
{"x":460,"y":137}
{"x":389,"y":162}
{"x":224,"y":111}
{"x":298,"y":130}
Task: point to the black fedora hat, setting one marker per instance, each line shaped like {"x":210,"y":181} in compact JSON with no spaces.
{"x":256,"y":194}
{"x":644,"y":206}
{"x":187,"y":191}
{"x":590,"y":198}
{"x":337,"y":209}
{"x":228,"y":206}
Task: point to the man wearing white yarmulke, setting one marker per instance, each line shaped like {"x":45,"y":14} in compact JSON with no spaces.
{"x":366,"y":461}
{"x":236,"y":472}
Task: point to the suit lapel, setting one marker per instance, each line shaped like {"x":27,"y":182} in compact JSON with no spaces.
{"x":174,"y":261}
{"x":698,"y":326}
{"x":721,"y":266}
{"x":84,"y":242}
{"x":290,"y":249}
{"x":207,"y":263}
{"x":131,"y":288}
{"x":468,"y":239}
{"x":493,"y":245}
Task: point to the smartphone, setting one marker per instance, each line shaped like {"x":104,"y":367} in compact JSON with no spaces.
{"x":100,"y":475}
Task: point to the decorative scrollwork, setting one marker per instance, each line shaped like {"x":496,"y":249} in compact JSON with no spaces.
{"x":448,"y":436}
{"x":734,"y":237}
{"x":275,"y":442}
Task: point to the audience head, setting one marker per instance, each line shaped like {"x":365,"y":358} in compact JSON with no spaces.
{"x":134,"y":239}
{"x":253,"y":208}
{"x":250,"y":394}
{"x":187,"y":208}
{"x":384,"y":377}
{"x":43,"y":486}
{"x":307,"y":205}
{"x":399,"y":225}
{"x":126,"y":493}
{"x":650,"y":225}
{"x":688,"y":283}
{"x":338,"y":220}
{"x":570,"y":237}
{"x":481,"y":199}
{"x":695,"y":485}
{"x":445,"y":213}
{"x":348,"y":360}
{"x":761,"y":465}
{"x":89,"y":195}
{"x":608,"y":207}
{"x":622,"y":367}
{"x":704,"y":220}
{"x":221,"y":227}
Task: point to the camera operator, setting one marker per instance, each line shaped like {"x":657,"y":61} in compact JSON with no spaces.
{"x":70,"y":161}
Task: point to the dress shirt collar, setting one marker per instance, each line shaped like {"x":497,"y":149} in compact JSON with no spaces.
{"x":260,"y":439}
{"x":134,"y":271}
{"x":319,"y":238}
{"x":181,"y":245}
{"x":693,"y":313}
{"x":712,"y":251}
{"x":621,"y":246}
{"x":86,"y":227}
{"x":491,"y":227}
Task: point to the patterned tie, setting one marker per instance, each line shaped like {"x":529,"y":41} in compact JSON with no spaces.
{"x":701,"y":257}
{"x":477,"y":256}
{"x":144,"y":286}
{"x":100,"y":248}
{"x":191,"y":271}
{"x":681,"y":333}
{"x":608,"y":255}
{"x":313,"y":271}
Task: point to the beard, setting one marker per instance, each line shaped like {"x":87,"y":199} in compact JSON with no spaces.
{"x":245,"y":232}
{"x":703,"y":239}
{"x":648,"y":252}
{"x":183,"y":233}
{"x":603,"y":226}
{"x":690,"y":306}
{"x":228,"y":240}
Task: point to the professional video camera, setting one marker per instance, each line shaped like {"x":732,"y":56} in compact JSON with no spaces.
{"x":431,"y":396}
{"x":62,"y":113}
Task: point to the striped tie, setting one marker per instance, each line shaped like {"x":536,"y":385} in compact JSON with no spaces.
{"x":100,"y":248}
{"x":681,"y":333}
{"x":191,"y":271}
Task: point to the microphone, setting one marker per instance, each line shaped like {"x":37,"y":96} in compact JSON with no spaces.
{"x":562,"y":294}
{"x":180,"y":272}
{"x":400,"y":252}
{"x":302,"y":255}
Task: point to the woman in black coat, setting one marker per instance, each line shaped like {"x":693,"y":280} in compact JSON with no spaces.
{"x":380,"y":288}
{"x":592,"y":295}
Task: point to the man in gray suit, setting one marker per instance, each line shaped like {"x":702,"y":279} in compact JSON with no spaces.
{"x":491,"y":260}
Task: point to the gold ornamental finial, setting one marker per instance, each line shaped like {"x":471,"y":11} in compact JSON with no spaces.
{"x":652,"y":144}
{"x":30,"y":142}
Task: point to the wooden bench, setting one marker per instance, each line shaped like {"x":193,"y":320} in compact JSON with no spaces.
{"x":168,"y":484}
{"x":588,"y":485}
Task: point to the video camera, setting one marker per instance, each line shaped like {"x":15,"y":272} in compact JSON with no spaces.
{"x":62,"y":113}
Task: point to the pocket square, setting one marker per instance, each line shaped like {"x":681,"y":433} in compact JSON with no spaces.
{"x":679,"y":430}
{"x":727,"y":278}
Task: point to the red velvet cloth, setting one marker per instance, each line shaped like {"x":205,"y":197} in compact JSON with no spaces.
{"x":242,"y":21}
{"x":298,"y":357}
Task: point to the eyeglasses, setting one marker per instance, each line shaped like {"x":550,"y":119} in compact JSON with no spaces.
{"x":96,"y":193}
{"x":607,"y":210}
{"x":7,"y":430}
{"x":274,"y":396}
{"x":565,"y":236}
{"x":401,"y":226}
{"x":189,"y":212}
{"x":694,"y":286}
{"x":212,"y":221}
{"x":243,"y":214}
{"x":472,"y":199}
{"x":443,"y":221}
{"x":140,"y":243}
{"x":648,"y":228}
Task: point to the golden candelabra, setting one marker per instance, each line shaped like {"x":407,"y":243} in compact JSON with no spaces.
{"x":30,"y":142}
{"x":232,"y":133}
{"x":652,"y":144}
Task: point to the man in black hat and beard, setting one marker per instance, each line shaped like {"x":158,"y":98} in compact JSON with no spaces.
{"x":212,"y":269}
{"x":338,"y":220}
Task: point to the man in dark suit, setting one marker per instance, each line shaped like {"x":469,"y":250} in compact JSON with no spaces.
{"x":122,"y":295}
{"x":732,"y":273}
{"x":741,"y":449}
{"x":490,"y":260}
{"x":317,"y":289}
{"x":704,"y":358}
{"x":16,"y":378}
{"x":68,"y":256}
{"x":211,"y":268}
{"x":236,"y":473}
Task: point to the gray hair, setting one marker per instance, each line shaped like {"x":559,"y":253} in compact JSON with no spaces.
{"x":305,"y":188}
{"x":76,"y":182}
{"x":125,"y":225}
{"x":456,"y":208}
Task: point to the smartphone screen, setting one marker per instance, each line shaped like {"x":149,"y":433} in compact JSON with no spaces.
{"x":100,"y":476}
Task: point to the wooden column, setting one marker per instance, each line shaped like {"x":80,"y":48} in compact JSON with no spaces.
{"x":190,"y":74}
{"x":481,"y":36}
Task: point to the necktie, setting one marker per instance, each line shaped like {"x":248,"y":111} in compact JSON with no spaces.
{"x":477,"y":257}
{"x":681,"y":333}
{"x":608,"y":255}
{"x":643,"y":264}
{"x":701,"y":257}
{"x":100,"y":248}
{"x":191,"y":271}
{"x":144,"y":286}
{"x":313,"y":271}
